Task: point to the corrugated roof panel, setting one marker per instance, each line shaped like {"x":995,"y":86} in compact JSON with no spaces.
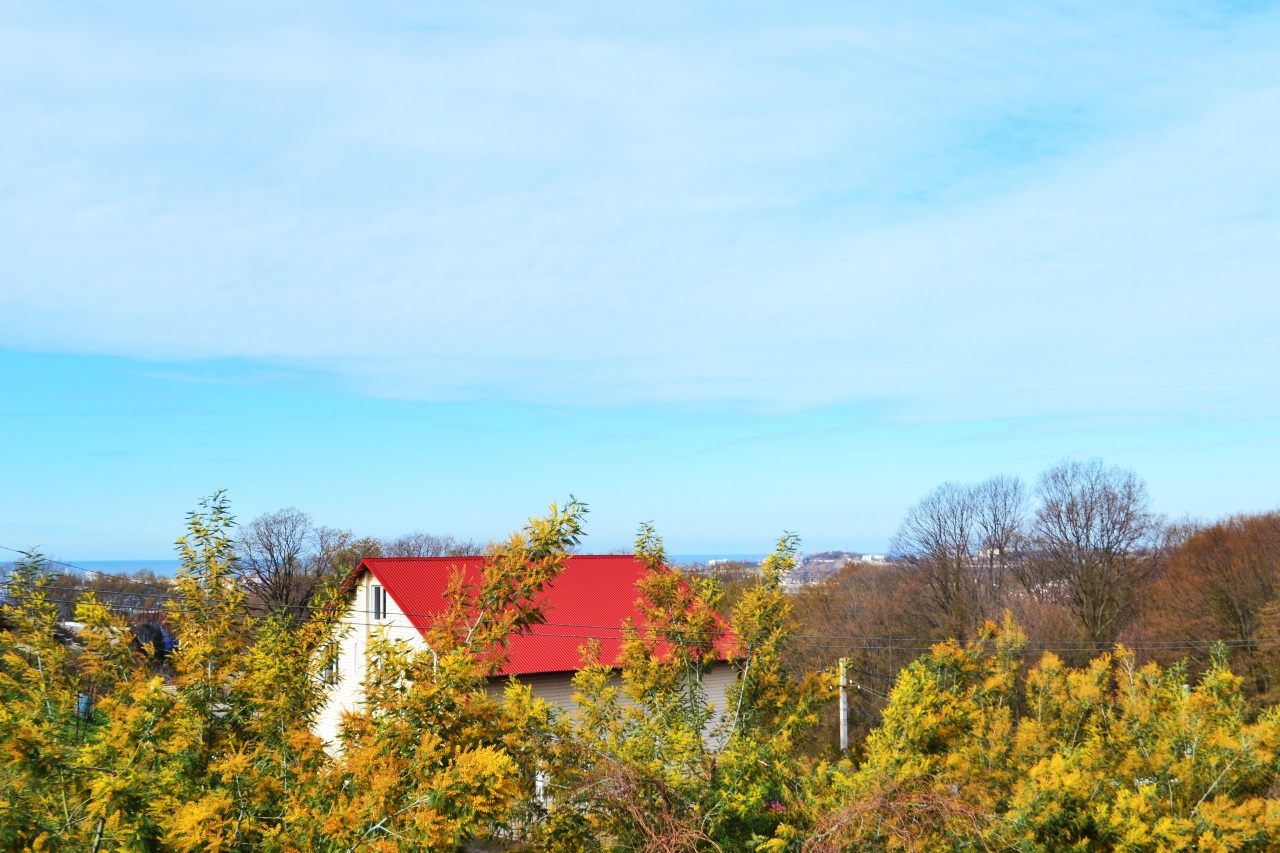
{"x":589,"y":599}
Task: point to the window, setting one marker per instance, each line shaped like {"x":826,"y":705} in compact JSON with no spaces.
{"x":377,"y":602}
{"x":329,"y":669}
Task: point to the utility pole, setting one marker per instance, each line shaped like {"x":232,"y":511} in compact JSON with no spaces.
{"x":844,"y":706}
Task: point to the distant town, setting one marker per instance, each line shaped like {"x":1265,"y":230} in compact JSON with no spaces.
{"x":811,"y":568}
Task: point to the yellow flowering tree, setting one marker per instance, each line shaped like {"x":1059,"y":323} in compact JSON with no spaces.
{"x":1121,"y":757}
{"x":209,"y":759}
{"x":213,"y":751}
{"x":39,"y":728}
{"x":652,"y":763}
{"x":1108,"y":757}
{"x":432,"y":760}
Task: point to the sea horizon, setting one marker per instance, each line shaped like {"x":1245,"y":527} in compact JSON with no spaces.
{"x":168,"y":567}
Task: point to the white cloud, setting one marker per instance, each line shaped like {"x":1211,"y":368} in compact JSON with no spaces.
{"x":1013,"y":212}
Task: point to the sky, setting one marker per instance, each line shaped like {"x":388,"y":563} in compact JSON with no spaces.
{"x":731,"y":268}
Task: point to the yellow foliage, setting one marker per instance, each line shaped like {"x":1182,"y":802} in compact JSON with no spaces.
{"x":1109,"y":757}
{"x":216,"y":754}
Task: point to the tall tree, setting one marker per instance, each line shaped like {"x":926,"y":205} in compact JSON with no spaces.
{"x":272,"y":561}
{"x":937,"y":541}
{"x":1094,"y":543}
{"x":432,"y":761}
{"x":1001,"y":519}
{"x":958,"y":543}
{"x":38,"y":802}
{"x":284,"y":561}
{"x":666,"y":770}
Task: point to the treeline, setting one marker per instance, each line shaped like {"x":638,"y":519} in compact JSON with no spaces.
{"x":1081,"y":561}
{"x":285,"y":562}
{"x":975,"y":749}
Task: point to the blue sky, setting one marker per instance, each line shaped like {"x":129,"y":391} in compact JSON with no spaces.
{"x":733,"y":269}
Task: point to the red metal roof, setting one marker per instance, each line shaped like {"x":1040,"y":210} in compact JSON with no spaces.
{"x":588,"y":600}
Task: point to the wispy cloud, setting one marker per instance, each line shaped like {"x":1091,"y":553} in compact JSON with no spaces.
{"x":1006,"y":211}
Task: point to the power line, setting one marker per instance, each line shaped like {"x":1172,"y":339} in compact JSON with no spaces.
{"x":43,"y":559}
{"x":862,"y":643}
{"x":824,"y":641}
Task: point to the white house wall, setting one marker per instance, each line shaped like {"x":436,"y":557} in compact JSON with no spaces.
{"x":356,"y":629}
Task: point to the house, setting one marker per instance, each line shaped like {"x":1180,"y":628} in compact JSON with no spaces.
{"x":589,"y":599}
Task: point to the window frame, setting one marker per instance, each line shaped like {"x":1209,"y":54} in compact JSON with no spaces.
{"x":331,"y":672}
{"x":377,"y":603}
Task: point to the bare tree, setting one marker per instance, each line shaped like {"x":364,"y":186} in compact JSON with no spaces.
{"x":336,"y":552}
{"x":1001,"y":521}
{"x":283,"y":559}
{"x":937,"y":541}
{"x":1094,"y":543}
{"x":959,"y":543}
{"x":353,"y":551}
{"x":430,"y":545}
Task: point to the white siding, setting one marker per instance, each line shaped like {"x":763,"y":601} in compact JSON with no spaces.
{"x":356,"y":629}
